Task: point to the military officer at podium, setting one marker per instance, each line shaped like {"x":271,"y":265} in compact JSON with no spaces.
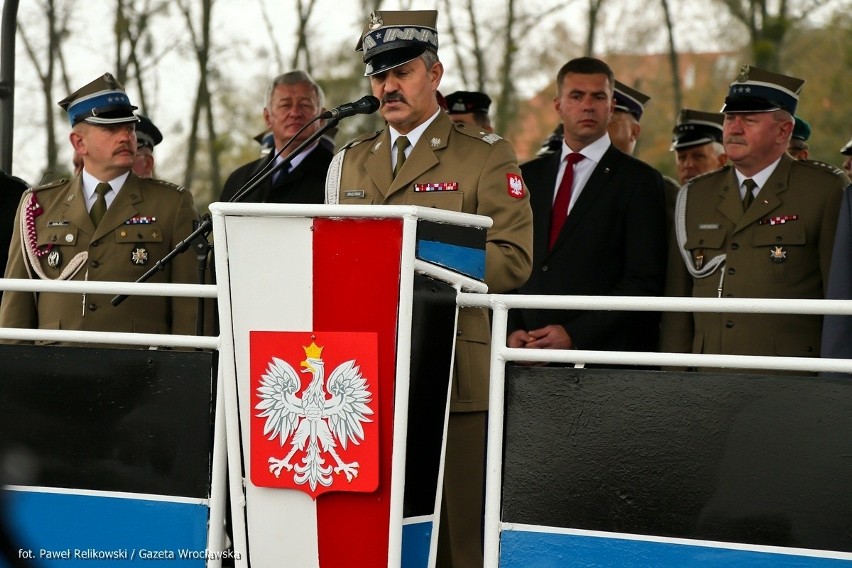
{"x":104,"y":224}
{"x":422,"y":158}
{"x":761,"y":228}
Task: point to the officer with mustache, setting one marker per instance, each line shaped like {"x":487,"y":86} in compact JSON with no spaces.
{"x":760,"y":228}
{"x":105,"y":224}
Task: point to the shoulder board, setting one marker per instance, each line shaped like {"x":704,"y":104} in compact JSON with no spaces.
{"x":823,"y":166}
{"x":162,"y":183}
{"x":478,"y":133}
{"x":724,"y":168}
{"x":362,"y":138}
{"x":50,"y":184}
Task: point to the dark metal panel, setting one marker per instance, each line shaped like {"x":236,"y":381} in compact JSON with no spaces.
{"x":738,"y":458}
{"x":432,"y":339}
{"x":108,"y":419}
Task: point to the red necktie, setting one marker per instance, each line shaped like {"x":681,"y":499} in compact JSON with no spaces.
{"x":563,"y":197}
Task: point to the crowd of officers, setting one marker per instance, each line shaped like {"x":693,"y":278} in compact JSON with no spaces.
{"x":750,"y":216}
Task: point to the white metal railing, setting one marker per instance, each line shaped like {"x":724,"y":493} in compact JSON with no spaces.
{"x":216,"y":532}
{"x":116,"y":338}
{"x":500,"y":355}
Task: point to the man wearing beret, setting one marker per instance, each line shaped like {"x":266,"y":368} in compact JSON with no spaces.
{"x":480,"y":175}
{"x":147,"y":136}
{"x":105,"y":224}
{"x":471,"y":108}
{"x":762,"y":228}
{"x":292,"y":101}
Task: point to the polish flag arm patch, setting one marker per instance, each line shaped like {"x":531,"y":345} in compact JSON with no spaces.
{"x":515,"y":186}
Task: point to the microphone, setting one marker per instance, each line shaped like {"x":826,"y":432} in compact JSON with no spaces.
{"x":365,"y":105}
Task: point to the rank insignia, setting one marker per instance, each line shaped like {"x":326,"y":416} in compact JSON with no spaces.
{"x":54,"y":258}
{"x":445,"y":186}
{"x":139,"y":256}
{"x":778,"y":254}
{"x":515,"y":186}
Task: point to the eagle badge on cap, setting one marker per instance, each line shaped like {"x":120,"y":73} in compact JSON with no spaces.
{"x":375,"y":21}
{"x":744,"y":72}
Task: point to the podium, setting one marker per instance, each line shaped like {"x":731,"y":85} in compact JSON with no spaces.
{"x":338,"y":326}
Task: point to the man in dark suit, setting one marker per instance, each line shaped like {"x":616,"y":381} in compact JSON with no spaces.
{"x":292,"y":101}
{"x":600,"y":233}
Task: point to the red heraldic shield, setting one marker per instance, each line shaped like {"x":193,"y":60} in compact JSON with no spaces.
{"x":315,"y":419}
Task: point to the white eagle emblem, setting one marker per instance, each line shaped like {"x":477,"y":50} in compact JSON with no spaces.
{"x":313,"y":420}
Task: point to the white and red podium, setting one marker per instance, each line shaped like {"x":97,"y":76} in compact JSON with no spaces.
{"x":338,"y":326}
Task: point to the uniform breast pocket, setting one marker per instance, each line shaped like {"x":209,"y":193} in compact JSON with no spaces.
{"x":58,"y":248}
{"x":143,"y":243}
{"x":778,"y":245}
{"x":447,"y":200}
{"x":703,"y":246}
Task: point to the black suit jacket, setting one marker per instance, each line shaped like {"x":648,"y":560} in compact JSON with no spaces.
{"x":11,"y":189}
{"x":612,"y":244}
{"x":305,"y":184}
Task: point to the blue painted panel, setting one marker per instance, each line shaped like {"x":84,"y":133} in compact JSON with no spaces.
{"x":524,"y":549}
{"x":466,"y":260}
{"x":416,"y":538}
{"x":117,"y":531}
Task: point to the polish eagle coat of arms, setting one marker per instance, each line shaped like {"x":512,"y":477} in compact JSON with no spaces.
{"x":326,"y":413}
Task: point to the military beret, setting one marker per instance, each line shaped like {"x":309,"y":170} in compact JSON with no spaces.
{"x":757,"y":90}
{"x":696,"y":128}
{"x":629,"y":100}
{"x":801,"y":130}
{"x":847,"y":148}
{"x":393,"y":38}
{"x":462,"y":102}
{"x":103,"y":101}
{"x":147,"y":134}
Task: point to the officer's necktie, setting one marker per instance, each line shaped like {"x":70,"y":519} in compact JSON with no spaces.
{"x":401,"y":144}
{"x":748,"y":197}
{"x":99,"y":208}
{"x":563,"y":197}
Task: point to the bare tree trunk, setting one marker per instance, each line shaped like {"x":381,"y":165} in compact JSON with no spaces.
{"x":201,"y":43}
{"x":506,"y":110}
{"x":273,"y":39}
{"x":461,"y":68}
{"x":478,"y":54}
{"x":57,"y":31}
{"x":594,"y":9}
{"x":677,"y":95}
{"x":304,"y":8}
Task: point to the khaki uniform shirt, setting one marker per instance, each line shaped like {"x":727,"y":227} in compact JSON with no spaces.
{"x":484,"y":167}
{"x":145,"y":221}
{"x":779,"y":248}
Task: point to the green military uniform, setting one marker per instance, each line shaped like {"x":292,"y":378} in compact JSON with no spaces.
{"x":485,"y":169}
{"x":479,"y":164}
{"x":146,"y":220}
{"x":779,"y":248}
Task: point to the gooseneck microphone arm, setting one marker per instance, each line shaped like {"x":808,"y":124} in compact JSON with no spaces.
{"x":366,"y":105}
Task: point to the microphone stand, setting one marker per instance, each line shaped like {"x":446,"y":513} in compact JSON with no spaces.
{"x":206,"y":226}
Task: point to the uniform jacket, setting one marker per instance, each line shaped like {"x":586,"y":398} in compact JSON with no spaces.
{"x":145,"y":221}
{"x":305,"y":184}
{"x":482,"y":165}
{"x":612,"y":244}
{"x":837,"y":330}
{"x":780,"y":248}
